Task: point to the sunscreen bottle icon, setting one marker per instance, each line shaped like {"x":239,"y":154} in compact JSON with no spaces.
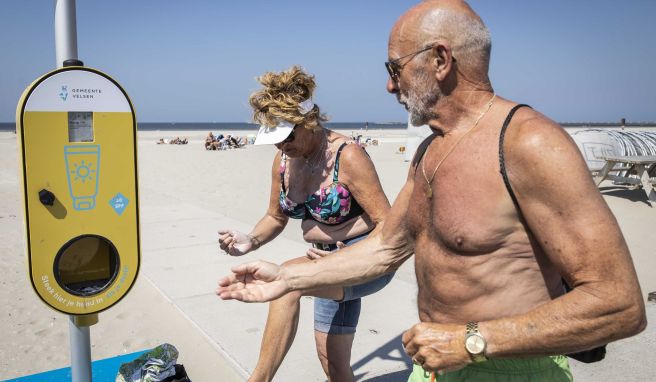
{"x":83,"y":171}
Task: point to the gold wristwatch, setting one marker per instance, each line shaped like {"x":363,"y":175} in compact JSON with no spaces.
{"x":475,"y":343}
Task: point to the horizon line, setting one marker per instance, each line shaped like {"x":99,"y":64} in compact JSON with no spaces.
{"x":592,"y":123}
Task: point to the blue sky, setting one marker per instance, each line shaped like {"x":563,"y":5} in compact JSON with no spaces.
{"x":196,"y":61}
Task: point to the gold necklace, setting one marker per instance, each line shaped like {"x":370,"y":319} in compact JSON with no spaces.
{"x":314,"y":161}
{"x":429,"y":189}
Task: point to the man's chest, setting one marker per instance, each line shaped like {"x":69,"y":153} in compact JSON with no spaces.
{"x":465,"y":208}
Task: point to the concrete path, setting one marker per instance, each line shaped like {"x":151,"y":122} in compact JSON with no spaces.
{"x":237,"y":327}
{"x":185,"y":234}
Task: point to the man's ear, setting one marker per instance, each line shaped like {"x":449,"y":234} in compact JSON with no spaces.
{"x":442,"y":61}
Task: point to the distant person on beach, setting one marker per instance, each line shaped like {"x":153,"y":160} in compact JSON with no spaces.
{"x":179,"y":141}
{"x":174,"y":141}
{"x":233,"y":142}
{"x":330,"y":183}
{"x":209,"y":141}
{"x":220,"y":142}
{"x":498,"y":209}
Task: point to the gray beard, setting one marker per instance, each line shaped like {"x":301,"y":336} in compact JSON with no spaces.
{"x":421,"y":98}
{"x":419,"y":117}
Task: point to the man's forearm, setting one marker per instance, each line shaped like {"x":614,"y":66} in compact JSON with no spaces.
{"x":352,"y":265}
{"x":383,"y":251}
{"x":576,"y":321}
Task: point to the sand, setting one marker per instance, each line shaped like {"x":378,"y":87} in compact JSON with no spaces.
{"x":186,"y":194}
{"x":36,"y":337}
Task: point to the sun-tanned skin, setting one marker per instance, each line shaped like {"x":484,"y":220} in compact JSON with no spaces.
{"x":476,"y":257}
{"x":357,"y":172}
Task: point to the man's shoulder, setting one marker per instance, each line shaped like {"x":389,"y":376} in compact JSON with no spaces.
{"x":531,"y":132}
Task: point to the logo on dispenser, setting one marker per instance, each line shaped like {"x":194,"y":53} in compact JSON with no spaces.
{"x":83,"y":171}
{"x":119,"y":203}
{"x":63,"y":94}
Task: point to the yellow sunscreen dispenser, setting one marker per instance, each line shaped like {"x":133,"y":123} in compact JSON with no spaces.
{"x":76,"y":132}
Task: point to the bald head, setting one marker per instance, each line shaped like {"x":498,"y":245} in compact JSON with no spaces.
{"x":449,"y":21}
{"x":453,"y":5}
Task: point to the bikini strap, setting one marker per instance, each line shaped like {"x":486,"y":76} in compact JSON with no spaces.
{"x":502,"y":164}
{"x":283,"y":168}
{"x":339,"y":152}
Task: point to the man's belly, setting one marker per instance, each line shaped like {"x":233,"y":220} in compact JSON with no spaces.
{"x":460,"y":288}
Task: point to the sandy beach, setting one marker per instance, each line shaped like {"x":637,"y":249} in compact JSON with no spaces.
{"x":186,"y":194}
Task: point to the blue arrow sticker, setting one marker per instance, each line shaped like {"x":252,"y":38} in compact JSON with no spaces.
{"x":118,"y":203}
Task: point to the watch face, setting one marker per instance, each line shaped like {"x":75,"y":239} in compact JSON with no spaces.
{"x":475,"y":344}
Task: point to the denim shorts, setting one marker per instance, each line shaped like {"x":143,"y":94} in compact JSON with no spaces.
{"x":341,"y":317}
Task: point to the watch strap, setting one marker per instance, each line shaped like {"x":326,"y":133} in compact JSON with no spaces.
{"x":472,"y":327}
{"x":472,"y":330}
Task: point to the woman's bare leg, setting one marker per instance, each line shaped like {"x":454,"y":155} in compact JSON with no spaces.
{"x":334,"y":351}
{"x":279,"y":334}
{"x":280,"y":329}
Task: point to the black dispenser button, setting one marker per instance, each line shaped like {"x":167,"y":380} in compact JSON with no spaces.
{"x":46,"y":197}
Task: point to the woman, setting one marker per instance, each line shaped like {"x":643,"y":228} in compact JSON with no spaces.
{"x":209,"y":141}
{"x":327,"y":180}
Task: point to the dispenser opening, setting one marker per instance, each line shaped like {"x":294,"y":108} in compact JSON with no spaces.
{"x":86,"y":265}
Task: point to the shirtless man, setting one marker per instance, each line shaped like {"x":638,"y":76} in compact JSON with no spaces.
{"x":488,"y":268}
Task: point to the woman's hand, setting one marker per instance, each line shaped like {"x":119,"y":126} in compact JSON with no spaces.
{"x":235,"y":243}
{"x":315,"y":253}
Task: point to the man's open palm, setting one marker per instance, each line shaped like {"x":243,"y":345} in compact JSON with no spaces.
{"x":258,"y":281}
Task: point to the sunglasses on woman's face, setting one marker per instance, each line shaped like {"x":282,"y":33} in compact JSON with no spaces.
{"x":290,"y":138}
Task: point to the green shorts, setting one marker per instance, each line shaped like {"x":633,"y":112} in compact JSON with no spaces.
{"x":552,"y":369}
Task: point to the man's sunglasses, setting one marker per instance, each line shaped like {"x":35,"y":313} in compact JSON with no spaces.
{"x":394,"y":67}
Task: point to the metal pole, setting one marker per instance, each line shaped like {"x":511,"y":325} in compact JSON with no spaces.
{"x":66,"y":33}
{"x":80,"y":351}
{"x":66,"y":55}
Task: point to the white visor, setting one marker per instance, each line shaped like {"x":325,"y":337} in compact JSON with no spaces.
{"x":273,"y":135}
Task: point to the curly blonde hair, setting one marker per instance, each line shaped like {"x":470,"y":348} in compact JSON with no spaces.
{"x":280,"y":97}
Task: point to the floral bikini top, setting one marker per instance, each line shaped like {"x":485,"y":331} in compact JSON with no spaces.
{"x":333,"y":204}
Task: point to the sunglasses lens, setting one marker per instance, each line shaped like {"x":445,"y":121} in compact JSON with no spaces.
{"x":391,"y":70}
{"x":290,"y":137}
